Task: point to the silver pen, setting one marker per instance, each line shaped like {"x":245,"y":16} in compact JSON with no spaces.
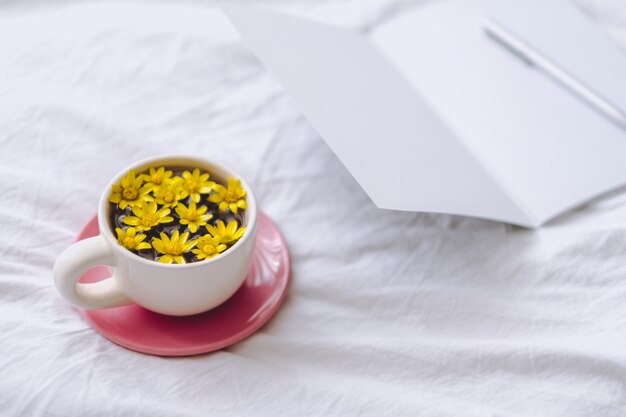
{"x":534,"y":58}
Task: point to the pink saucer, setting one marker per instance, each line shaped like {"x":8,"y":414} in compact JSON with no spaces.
{"x":260,"y":296}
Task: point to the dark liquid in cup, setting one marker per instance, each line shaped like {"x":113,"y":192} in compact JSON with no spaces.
{"x":118,"y":214}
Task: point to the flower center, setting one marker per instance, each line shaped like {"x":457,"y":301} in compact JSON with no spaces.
{"x":192,"y":186}
{"x":157,"y":178}
{"x":168,"y":197}
{"x":149,"y":220}
{"x":231,"y":196}
{"x":129,"y":193}
{"x":208,"y":249}
{"x":129,"y":242}
{"x":173,"y":249}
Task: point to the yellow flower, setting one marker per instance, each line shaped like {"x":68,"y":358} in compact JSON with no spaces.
{"x":129,"y":191}
{"x":196,"y":184}
{"x":130,"y":239}
{"x":155,"y":177}
{"x":193,"y":217}
{"x":147,"y":216}
{"x":208,"y":247}
{"x":169,"y":192}
{"x":227,"y":234}
{"x":232,"y":197}
{"x":173,"y":247}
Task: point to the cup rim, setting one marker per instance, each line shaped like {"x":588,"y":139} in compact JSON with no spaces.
{"x":165,"y":159}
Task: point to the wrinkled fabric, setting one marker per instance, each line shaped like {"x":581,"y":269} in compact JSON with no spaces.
{"x":388,"y":314}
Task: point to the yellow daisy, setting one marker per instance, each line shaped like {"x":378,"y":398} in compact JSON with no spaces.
{"x":130,"y":239}
{"x":129,"y":192}
{"x":208,"y":247}
{"x":155,"y":177}
{"x":227,"y":234}
{"x":196,"y":184}
{"x":146,"y":216}
{"x":172,"y":247}
{"x":232,"y":197}
{"x":169,"y":192}
{"x":193,"y":217}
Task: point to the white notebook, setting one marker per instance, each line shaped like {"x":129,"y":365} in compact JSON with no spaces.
{"x":429,"y":114}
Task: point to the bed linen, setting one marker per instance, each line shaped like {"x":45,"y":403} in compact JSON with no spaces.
{"x":389,"y":313}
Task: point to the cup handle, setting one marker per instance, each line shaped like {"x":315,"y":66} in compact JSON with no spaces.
{"x":71,"y":265}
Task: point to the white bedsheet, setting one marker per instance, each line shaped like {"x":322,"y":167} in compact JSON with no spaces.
{"x":389,"y":313}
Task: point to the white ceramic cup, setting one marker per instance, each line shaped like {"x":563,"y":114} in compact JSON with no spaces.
{"x":172,"y":289}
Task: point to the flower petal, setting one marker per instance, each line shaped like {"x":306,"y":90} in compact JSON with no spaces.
{"x":163,"y":212}
{"x":211,"y":229}
{"x":137,"y":211}
{"x":166,"y":259}
{"x":158,"y":245}
{"x":150,"y":207}
{"x":215,"y":198}
{"x":240,"y":233}
{"x":189,"y":245}
{"x":131,"y":220}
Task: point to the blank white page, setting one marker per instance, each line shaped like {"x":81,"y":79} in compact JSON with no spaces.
{"x":388,"y":137}
{"x":548,"y":148}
